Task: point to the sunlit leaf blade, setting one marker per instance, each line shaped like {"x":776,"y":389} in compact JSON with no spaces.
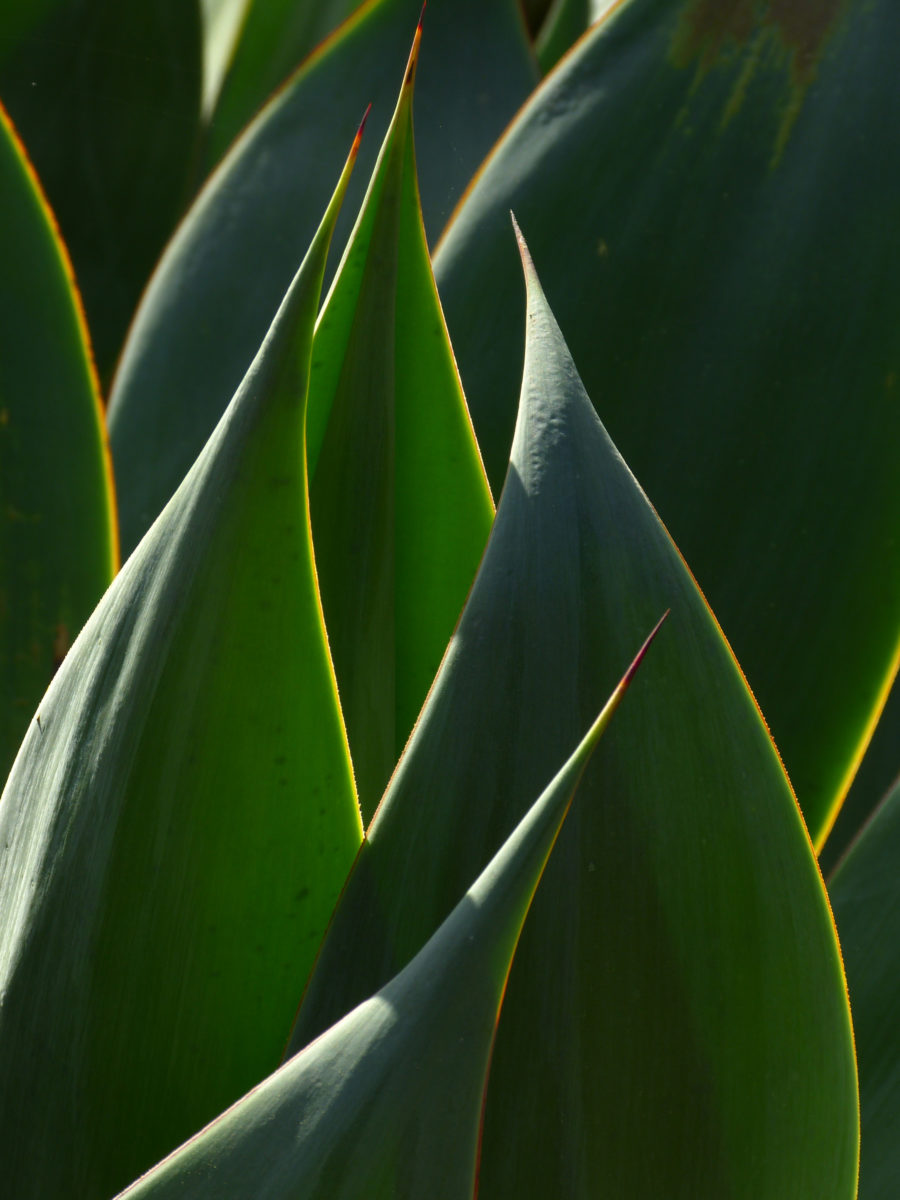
{"x":865,"y":895}
{"x":57,"y":529}
{"x":877,"y":772}
{"x":722,"y":249}
{"x":181,"y":816}
{"x":276,"y":36}
{"x":106,"y":97}
{"x":400,"y":505}
{"x":676,"y":1021}
{"x":388,"y":1102}
{"x":223,"y":275}
{"x":223,"y":21}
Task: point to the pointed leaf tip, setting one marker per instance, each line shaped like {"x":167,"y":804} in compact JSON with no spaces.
{"x":354,"y":149}
{"x":422,"y":14}
{"x":414,"y":54}
{"x":525,"y":253}
{"x":639,"y":657}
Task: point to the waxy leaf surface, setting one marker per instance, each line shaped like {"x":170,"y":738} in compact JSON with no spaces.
{"x":865,"y":895}
{"x":388,"y":1102}
{"x":181,"y":815}
{"x":58,"y":546}
{"x":676,"y":1021}
{"x":713,"y":189}
{"x":400,"y":505}
{"x":106,"y":97}
{"x":225,"y":271}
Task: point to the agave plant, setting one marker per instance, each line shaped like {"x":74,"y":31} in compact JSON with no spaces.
{"x":311,"y":599}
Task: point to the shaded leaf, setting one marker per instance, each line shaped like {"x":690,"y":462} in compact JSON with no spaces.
{"x":58,"y":544}
{"x":388,"y":1102}
{"x":174,"y":833}
{"x":224,"y":273}
{"x":676,"y":1021}
{"x":106,"y":97}
{"x":865,"y":895}
{"x":400,"y":506}
{"x":721,"y":246}
{"x":274,"y":38}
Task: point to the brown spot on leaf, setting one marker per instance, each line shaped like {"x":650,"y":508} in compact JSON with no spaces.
{"x":803,"y":26}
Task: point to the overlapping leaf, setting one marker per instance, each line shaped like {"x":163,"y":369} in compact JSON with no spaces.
{"x":400,"y":506}
{"x":57,"y":531}
{"x":222,"y":276}
{"x":865,"y":894}
{"x":181,"y":815}
{"x":389,"y":1101}
{"x":713,"y":188}
{"x":676,"y":1021}
{"x":106,"y":97}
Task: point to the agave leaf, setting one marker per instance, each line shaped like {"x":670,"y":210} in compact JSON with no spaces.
{"x":400,"y":506}
{"x":181,"y":816}
{"x":865,"y":895}
{"x":58,"y":545}
{"x":208,"y":305}
{"x":667,"y":1028}
{"x":722,"y":248}
{"x":388,"y":1102}
{"x":106,"y":97}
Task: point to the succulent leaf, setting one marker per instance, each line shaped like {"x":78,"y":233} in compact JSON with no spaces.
{"x":221,"y":278}
{"x":388,"y":1102}
{"x":865,"y":895}
{"x":58,"y":541}
{"x":181,"y":815}
{"x":721,"y":245}
{"x":666,"y":1027}
{"x":400,"y":505}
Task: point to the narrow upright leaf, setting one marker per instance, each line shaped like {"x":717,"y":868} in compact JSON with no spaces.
{"x":388,"y":1102}
{"x":181,"y":814}
{"x":676,"y":1020}
{"x":865,"y":895}
{"x":713,"y":187}
{"x":225,"y":271}
{"x":58,"y":546}
{"x":400,"y":505}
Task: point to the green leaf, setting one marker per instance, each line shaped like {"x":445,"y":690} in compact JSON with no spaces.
{"x":58,"y":543}
{"x":176,"y":829}
{"x":721,"y":245}
{"x":400,"y":506}
{"x":865,"y":895}
{"x":388,"y":1102}
{"x":106,"y":97}
{"x":210,"y":302}
{"x":676,"y":1021}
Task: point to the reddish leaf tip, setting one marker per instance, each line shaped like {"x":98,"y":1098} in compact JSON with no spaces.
{"x":422,"y":15}
{"x":638,"y":658}
{"x":359,"y":133}
{"x":414,"y":54}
